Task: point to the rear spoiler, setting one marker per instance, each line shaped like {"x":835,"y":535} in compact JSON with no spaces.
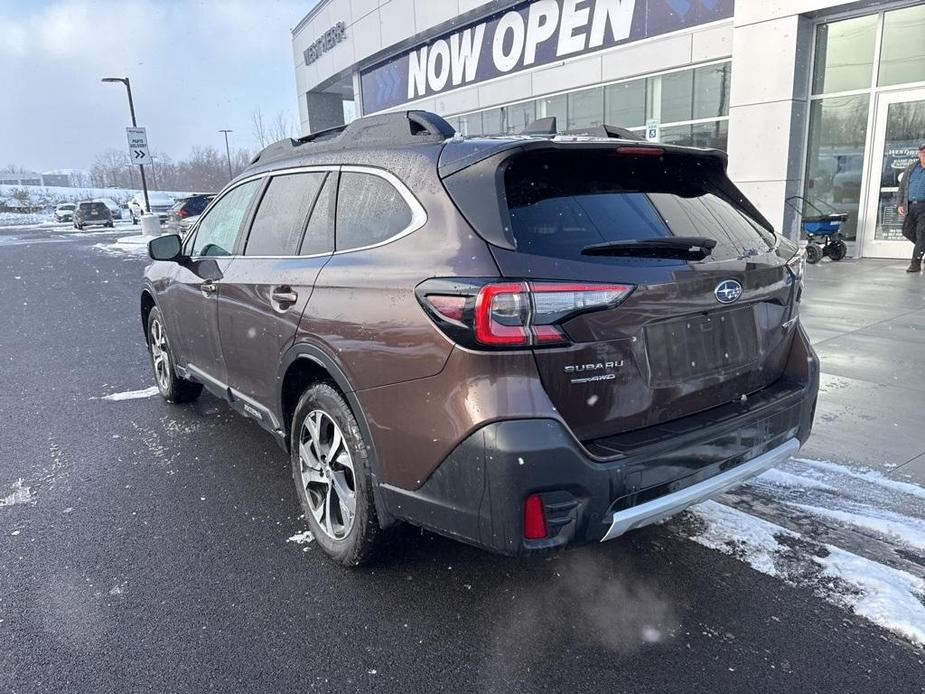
{"x":473,"y":173}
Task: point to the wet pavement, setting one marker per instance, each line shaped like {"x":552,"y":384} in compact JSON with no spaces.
{"x":149,"y":547}
{"x":867,"y":322}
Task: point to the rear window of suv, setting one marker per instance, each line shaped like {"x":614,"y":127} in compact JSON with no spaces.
{"x":561,"y":202}
{"x":97,"y":207}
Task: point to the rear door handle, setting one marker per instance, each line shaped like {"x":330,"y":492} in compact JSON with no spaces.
{"x":208,"y":288}
{"x":283,"y":298}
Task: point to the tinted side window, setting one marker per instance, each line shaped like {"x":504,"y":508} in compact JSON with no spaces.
{"x":369,"y":210}
{"x":218,"y":230}
{"x":319,"y":237}
{"x":280,"y":219}
{"x":197,"y":205}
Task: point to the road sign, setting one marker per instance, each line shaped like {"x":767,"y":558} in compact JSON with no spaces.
{"x":138,"y":146}
{"x":653,"y":130}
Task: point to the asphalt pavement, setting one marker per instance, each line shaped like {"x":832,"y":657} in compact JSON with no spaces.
{"x":146,"y":547}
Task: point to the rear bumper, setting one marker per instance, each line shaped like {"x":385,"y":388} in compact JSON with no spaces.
{"x":669,"y":504}
{"x":602,"y":489}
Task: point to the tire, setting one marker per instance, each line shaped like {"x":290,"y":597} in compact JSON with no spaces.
{"x":321,"y":482}
{"x":111,"y":225}
{"x":838,"y":250}
{"x":171,"y":387}
{"x":813,"y":253}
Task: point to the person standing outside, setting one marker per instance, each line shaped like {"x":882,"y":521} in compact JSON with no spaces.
{"x":911,"y":205}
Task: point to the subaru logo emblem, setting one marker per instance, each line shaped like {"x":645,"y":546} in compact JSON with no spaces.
{"x":727,"y":291}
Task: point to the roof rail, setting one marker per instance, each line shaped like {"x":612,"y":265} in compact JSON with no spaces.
{"x":403,"y":127}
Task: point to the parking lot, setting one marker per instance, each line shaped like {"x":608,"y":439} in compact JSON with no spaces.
{"x":150,"y":547}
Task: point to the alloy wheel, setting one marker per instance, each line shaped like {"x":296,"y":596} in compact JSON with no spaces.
{"x":327,"y":474}
{"x":160,"y":356}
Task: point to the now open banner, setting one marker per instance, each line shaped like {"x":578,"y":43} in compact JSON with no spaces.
{"x":527,"y":35}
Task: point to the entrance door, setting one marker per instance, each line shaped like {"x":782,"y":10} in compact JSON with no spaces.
{"x":898,"y":131}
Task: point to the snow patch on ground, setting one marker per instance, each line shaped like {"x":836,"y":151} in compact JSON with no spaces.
{"x":853,"y":536}
{"x":132,"y":394}
{"x":910,"y":531}
{"x":20,"y":494}
{"x":125,"y":245}
{"x":782,"y":478}
{"x":865,"y":474}
{"x":893,"y":599}
{"x":302,"y":538}
{"x":745,"y":537}
{"x":885,"y":596}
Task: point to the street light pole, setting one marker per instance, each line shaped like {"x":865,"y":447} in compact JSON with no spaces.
{"x":131,"y":107}
{"x":228,"y":152}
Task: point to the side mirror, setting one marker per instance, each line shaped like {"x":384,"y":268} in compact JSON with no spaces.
{"x":167,"y":247}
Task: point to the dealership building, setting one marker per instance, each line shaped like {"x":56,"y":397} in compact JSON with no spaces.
{"x":810,"y":98}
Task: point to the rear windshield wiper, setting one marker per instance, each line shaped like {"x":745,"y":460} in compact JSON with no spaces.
{"x":682,"y":247}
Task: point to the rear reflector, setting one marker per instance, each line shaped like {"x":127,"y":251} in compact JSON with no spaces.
{"x":450,"y":307}
{"x":534,"y":518}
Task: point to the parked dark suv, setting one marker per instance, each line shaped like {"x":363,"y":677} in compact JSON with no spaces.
{"x":92,"y":214}
{"x":519,"y":342}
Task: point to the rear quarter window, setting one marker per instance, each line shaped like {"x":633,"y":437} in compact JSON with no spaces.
{"x":370,"y":210}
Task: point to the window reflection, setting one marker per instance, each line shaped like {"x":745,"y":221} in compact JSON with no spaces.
{"x":845,"y":55}
{"x":902,"y":56}
{"x":835,"y":156}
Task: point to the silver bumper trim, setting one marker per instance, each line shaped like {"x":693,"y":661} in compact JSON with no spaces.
{"x":664,"y":506}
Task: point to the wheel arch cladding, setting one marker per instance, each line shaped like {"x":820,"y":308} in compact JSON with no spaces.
{"x":147,"y":303}
{"x":306,"y":364}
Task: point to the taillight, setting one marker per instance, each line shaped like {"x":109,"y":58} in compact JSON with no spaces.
{"x":503,"y":315}
{"x":181,"y":213}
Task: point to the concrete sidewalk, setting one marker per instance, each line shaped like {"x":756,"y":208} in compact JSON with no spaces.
{"x":866,"y":319}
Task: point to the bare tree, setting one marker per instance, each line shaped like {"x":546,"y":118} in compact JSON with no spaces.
{"x":259,"y":129}
{"x":281,"y":127}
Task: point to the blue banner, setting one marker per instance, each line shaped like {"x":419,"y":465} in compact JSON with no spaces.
{"x":526,"y":35}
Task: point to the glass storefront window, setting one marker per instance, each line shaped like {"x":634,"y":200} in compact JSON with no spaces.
{"x":470,"y":124}
{"x":491,"y":122}
{"x":844,"y":55}
{"x":552,"y":106}
{"x":711,"y":91}
{"x":671,"y":96}
{"x":902,"y":55}
{"x":517,"y":117}
{"x":586,"y":108}
{"x":696,"y":94}
{"x":625,"y":104}
{"x":714,"y":135}
{"x":835,"y":156}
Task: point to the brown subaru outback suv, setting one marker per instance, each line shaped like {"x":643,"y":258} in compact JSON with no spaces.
{"x":520,"y":342}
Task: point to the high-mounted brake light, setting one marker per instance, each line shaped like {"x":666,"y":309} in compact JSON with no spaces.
{"x":640,"y":151}
{"x":509,"y":315}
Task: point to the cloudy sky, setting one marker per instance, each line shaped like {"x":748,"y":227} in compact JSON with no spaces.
{"x":195,"y":66}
